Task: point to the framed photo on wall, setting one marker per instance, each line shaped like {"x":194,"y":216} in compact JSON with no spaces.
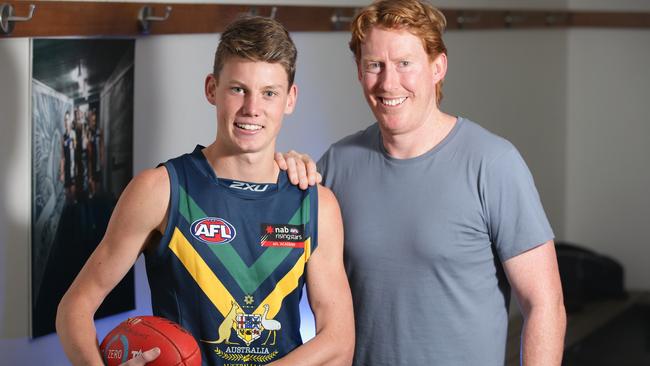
{"x":82,"y":159}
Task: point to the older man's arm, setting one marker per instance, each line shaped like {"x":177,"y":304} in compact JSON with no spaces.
{"x":535,"y":279}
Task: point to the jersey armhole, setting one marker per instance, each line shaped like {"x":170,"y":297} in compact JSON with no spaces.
{"x":173,"y":208}
{"x":313,"y":222}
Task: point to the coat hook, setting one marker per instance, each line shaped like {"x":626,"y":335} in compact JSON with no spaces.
{"x":146,"y":15}
{"x":511,"y":19}
{"x":338,"y":20}
{"x":254,"y":11}
{"x":8,"y":19}
{"x":555,"y":18}
{"x":464,"y":19}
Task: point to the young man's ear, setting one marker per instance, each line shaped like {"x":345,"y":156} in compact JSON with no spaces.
{"x":211,"y":89}
{"x":292,"y":97}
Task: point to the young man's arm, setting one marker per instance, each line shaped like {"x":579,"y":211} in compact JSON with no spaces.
{"x":329,"y":294}
{"x":535,"y":279}
{"x":140,"y":212}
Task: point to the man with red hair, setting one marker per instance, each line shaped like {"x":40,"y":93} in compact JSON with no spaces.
{"x":442,"y":218}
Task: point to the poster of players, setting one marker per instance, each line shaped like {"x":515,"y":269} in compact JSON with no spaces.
{"x":82,"y":159}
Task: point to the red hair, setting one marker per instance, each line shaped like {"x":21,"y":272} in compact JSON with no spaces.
{"x":416,"y":16}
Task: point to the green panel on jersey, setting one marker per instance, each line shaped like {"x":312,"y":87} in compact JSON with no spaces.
{"x":248,"y":278}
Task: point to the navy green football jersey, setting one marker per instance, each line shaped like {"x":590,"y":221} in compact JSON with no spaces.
{"x":230,"y":267}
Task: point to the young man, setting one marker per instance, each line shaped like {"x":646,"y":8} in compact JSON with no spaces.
{"x":226,"y":238}
{"x":441,"y":216}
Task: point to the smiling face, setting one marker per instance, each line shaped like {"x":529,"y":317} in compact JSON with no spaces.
{"x":252,"y":98}
{"x":399,"y":79}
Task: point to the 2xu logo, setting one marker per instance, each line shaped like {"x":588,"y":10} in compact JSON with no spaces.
{"x":213,"y":230}
{"x":249,"y":186}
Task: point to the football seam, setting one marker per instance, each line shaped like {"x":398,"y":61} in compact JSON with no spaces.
{"x":171,"y":341}
{"x":197,"y":349}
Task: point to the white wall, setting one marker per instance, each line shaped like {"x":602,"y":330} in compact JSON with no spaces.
{"x":514,"y":84}
{"x":608,"y":147}
{"x":14,"y":193}
{"x":330,"y":101}
{"x":171,"y":112}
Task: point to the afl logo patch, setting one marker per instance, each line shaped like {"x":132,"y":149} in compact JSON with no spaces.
{"x":213,"y":230}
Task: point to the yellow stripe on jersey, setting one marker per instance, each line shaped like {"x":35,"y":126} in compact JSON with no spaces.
{"x":202,"y":274}
{"x":287,"y":284}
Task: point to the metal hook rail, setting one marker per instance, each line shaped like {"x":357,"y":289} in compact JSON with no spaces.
{"x":8,"y":19}
{"x":125,"y":18}
{"x":341,"y":21}
{"x":254,"y":11}
{"x":146,"y":16}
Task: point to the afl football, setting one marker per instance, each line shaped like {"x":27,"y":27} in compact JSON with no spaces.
{"x":142,"y":333}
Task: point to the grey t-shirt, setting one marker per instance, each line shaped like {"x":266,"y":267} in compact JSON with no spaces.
{"x":424,"y":242}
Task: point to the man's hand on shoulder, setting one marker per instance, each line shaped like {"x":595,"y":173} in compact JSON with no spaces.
{"x":300,"y":168}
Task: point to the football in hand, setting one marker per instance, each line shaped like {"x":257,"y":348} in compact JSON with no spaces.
{"x":142,"y":333}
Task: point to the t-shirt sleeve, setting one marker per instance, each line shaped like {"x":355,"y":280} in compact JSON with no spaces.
{"x":322,"y":167}
{"x":513,"y":210}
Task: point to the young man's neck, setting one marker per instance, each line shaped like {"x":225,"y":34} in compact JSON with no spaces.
{"x":417,"y":142}
{"x":259,"y":167}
